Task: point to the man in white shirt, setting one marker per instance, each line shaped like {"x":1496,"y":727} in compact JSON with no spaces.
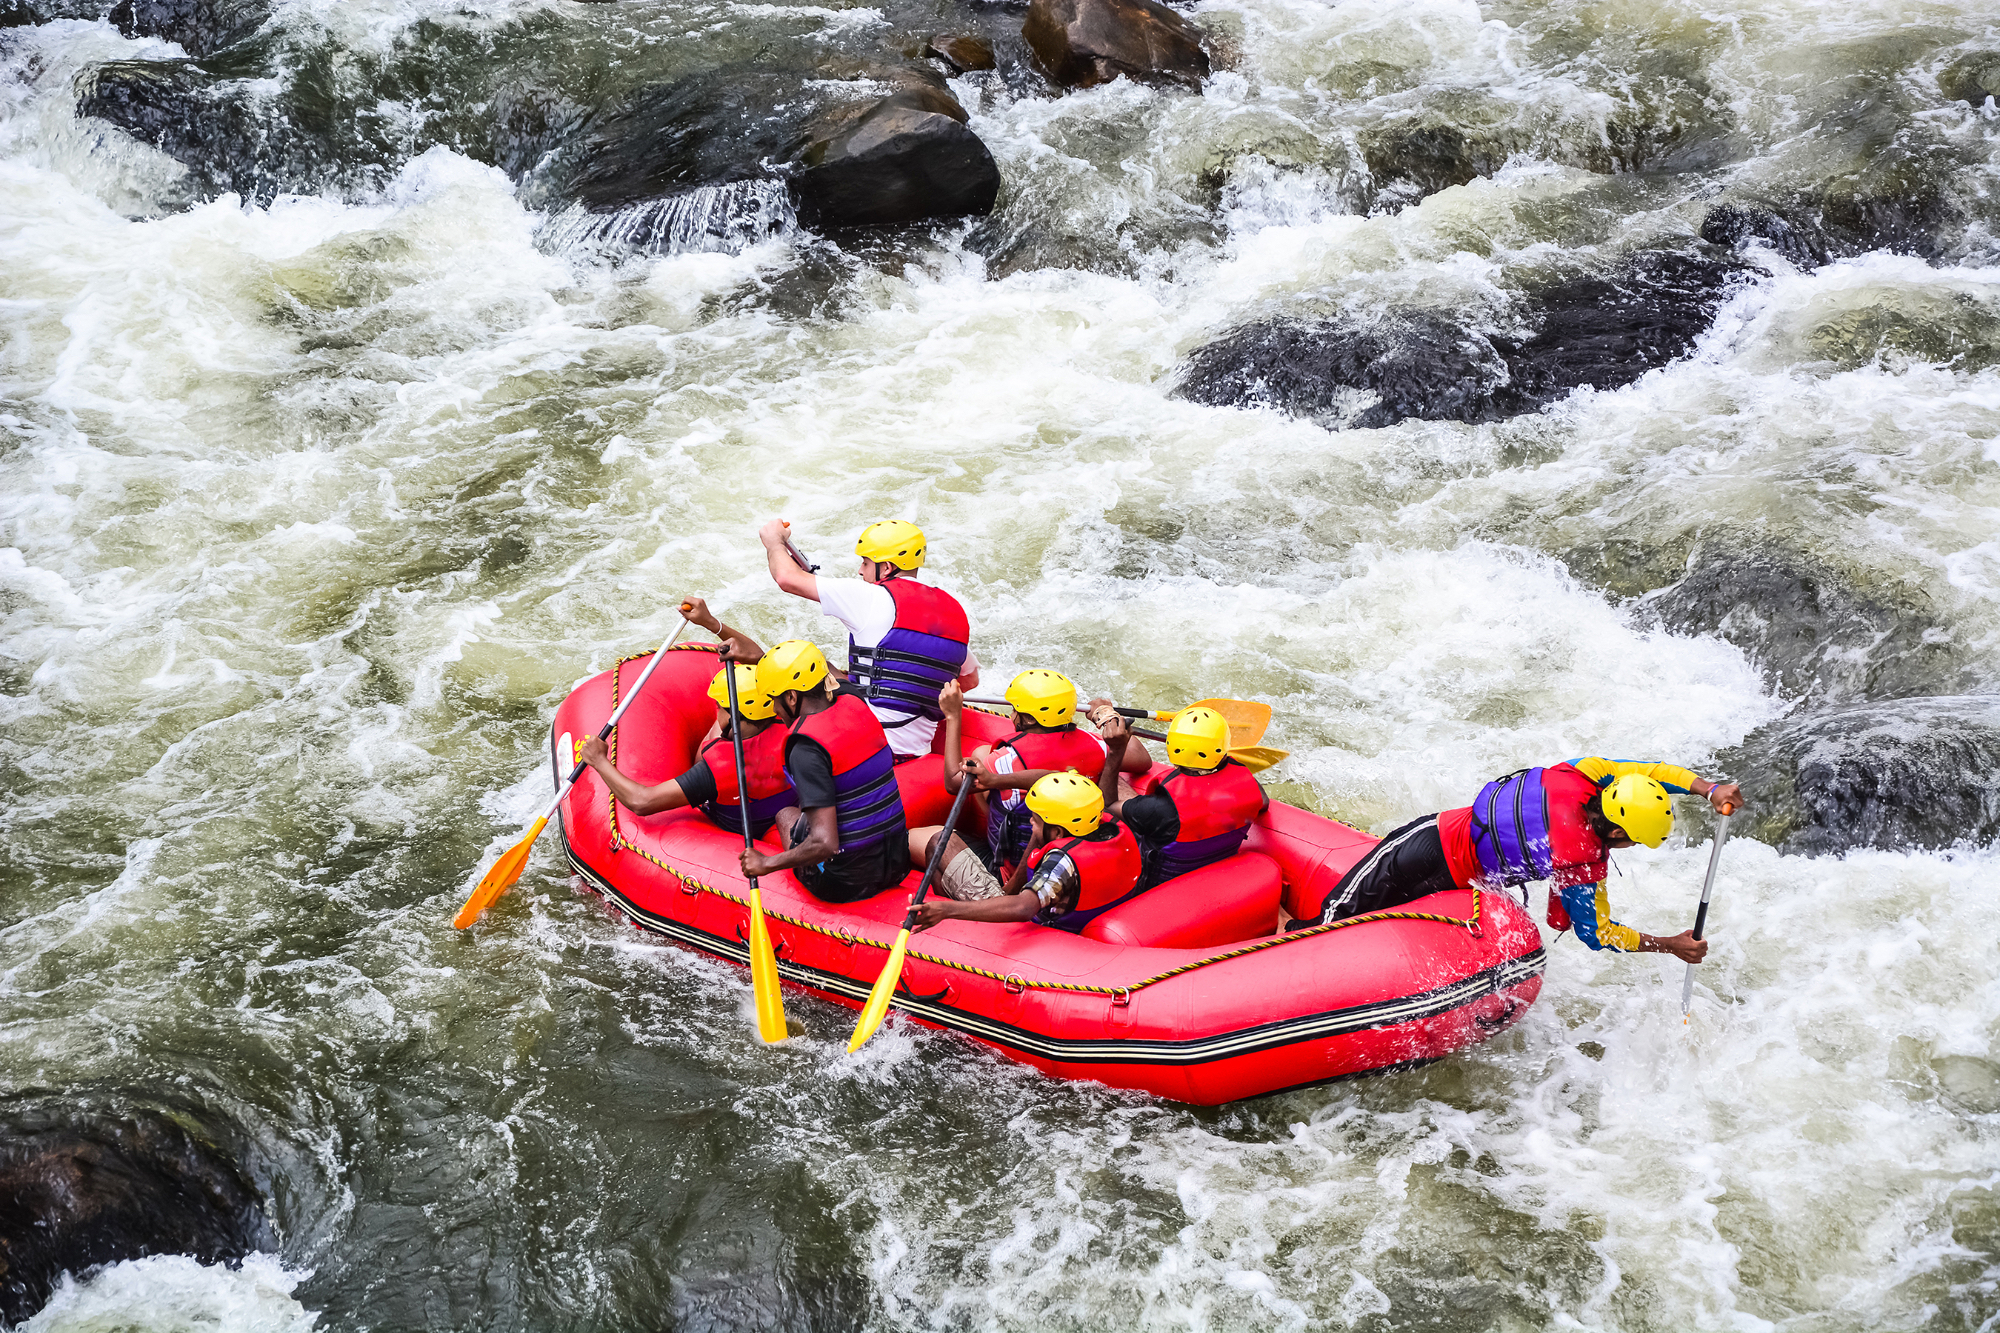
{"x":905,"y":639}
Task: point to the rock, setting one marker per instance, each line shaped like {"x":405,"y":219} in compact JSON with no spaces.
{"x":202,"y":27}
{"x":1082,"y":43}
{"x":962,"y":54}
{"x":79,"y":1189}
{"x":1815,"y":636}
{"x":1597,"y":330}
{"x":1973,"y":78}
{"x":1734,"y":226}
{"x":225,"y":131}
{"x":865,"y":158}
{"x":17,"y":14}
{"x":1896,"y":774}
{"x":906,"y":157}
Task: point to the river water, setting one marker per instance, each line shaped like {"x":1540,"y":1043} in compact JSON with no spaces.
{"x":316,"y":506}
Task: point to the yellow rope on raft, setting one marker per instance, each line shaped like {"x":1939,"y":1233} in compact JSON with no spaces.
{"x":619,"y":843}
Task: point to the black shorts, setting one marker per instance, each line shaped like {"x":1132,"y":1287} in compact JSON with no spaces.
{"x":1406,"y":865}
{"x":848,"y":877}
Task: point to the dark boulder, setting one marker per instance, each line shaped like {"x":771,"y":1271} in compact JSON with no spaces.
{"x":223,"y":129}
{"x":850,"y":159}
{"x":961,"y":54}
{"x":17,"y":14}
{"x":1082,"y":43}
{"x":1810,"y":629}
{"x":1896,"y":774}
{"x":202,"y":27}
{"x":79,"y":1189}
{"x":1734,"y":226}
{"x":1599,"y":330}
{"x":907,"y":157}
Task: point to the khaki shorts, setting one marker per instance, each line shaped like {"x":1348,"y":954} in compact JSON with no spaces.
{"x":966,"y":879}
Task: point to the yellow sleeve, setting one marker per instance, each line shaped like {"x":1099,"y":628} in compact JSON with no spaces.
{"x":1602,"y":771}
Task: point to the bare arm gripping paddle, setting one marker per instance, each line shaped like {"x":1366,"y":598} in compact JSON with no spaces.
{"x":1701,"y":913}
{"x":508,"y":868}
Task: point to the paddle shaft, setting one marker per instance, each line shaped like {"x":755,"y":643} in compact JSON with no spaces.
{"x":1122,"y":712}
{"x":606,"y":730}
{"x":1701,"y":912}
{"x":937,"y":852}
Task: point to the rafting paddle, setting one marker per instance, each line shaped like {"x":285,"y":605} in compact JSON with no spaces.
{"x":1256,"y":758}
{"x":1701,"y":913}
{"x":763,"y":959}
{"x":877,"y":1007}
{"x":1247,"y":719}
{"x":508,"y":868}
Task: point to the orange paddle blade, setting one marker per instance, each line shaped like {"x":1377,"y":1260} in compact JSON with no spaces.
{"x":877,"y":1007}
{"x":1247,"y":719}
{"x":764,"y":976}
{"x":504,"y":872}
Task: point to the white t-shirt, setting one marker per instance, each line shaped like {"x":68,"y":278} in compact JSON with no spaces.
{"x":869,"y":612}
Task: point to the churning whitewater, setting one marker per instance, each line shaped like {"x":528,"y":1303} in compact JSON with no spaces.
{"x":1481,"y":385}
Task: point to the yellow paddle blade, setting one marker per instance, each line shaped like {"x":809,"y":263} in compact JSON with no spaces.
{"x":764,"y":976}
{"x":504,"y":872}
{"x":1247,"y":719}
{"x":1257,"y":758}
{"x":877,"y":1007}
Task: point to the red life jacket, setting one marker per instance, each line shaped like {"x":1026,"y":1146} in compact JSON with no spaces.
{"x":764,"y":766}
{"x":1107,"y":873}
{"x":1071,"y":748}
{"x":869,"y":806}
{"x":924,"y":649}
{"x":1216,"y":811}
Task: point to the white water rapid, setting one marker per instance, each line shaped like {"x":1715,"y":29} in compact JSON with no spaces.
{"x":315,"y":507}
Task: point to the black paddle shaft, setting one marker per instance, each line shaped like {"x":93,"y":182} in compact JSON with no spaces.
{"x":1700,"y":918}
{"x":937,"y":852}
{"x":736,"y":744}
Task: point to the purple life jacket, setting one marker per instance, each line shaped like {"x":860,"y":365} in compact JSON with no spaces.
{"x":1510,"y":830}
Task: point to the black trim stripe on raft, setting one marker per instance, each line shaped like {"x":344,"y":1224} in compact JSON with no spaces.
{"x":1191,"y":1051}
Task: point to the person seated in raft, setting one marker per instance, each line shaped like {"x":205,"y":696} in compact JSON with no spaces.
{"x":1202,"y":811}
{"x":905,"y":639}
{"x":845,"y":838}
{"x":710,"y":785}
{"x":1046,"y":740}
{"x":1557,"y":823}
{"x":1080,"y":861}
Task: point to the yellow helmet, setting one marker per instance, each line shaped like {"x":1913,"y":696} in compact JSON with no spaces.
{"x":1198,"y":739}
{"x":1641,"y":807}
{"x":1068,"y":801}
{"x":793,"y":665}
{"x":894,"y":542}
{"x":751,"y":700}
{"x":1048,"y":697}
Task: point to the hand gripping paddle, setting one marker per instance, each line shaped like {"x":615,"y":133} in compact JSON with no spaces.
{"x":877,"y":1007}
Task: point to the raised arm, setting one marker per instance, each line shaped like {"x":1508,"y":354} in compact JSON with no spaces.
{"x":697,"y":612}
{"x":1726,"y":797}
{"x":785,"y":571}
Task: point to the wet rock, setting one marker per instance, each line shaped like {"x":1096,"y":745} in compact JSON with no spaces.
{"x":907,"y":157}
{"x":202,"y":27}
{"x":79,"y":1189}
{"x":1734,"y":226}
{"x":17,"y":14}
{"x":1082,"y":43}
{"x":224,"y":130}
{"x":851,"y":159}
{"x":1597,"y":330}
{"x":963,"y":54}
{"x":1807,"y":627}
{"x":1897,"y":774}
{"x":1410,"y":161}
{"x":1973,"y":78}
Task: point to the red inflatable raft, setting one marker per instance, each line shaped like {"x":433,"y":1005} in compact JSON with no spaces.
{"x":1182,"y":992}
